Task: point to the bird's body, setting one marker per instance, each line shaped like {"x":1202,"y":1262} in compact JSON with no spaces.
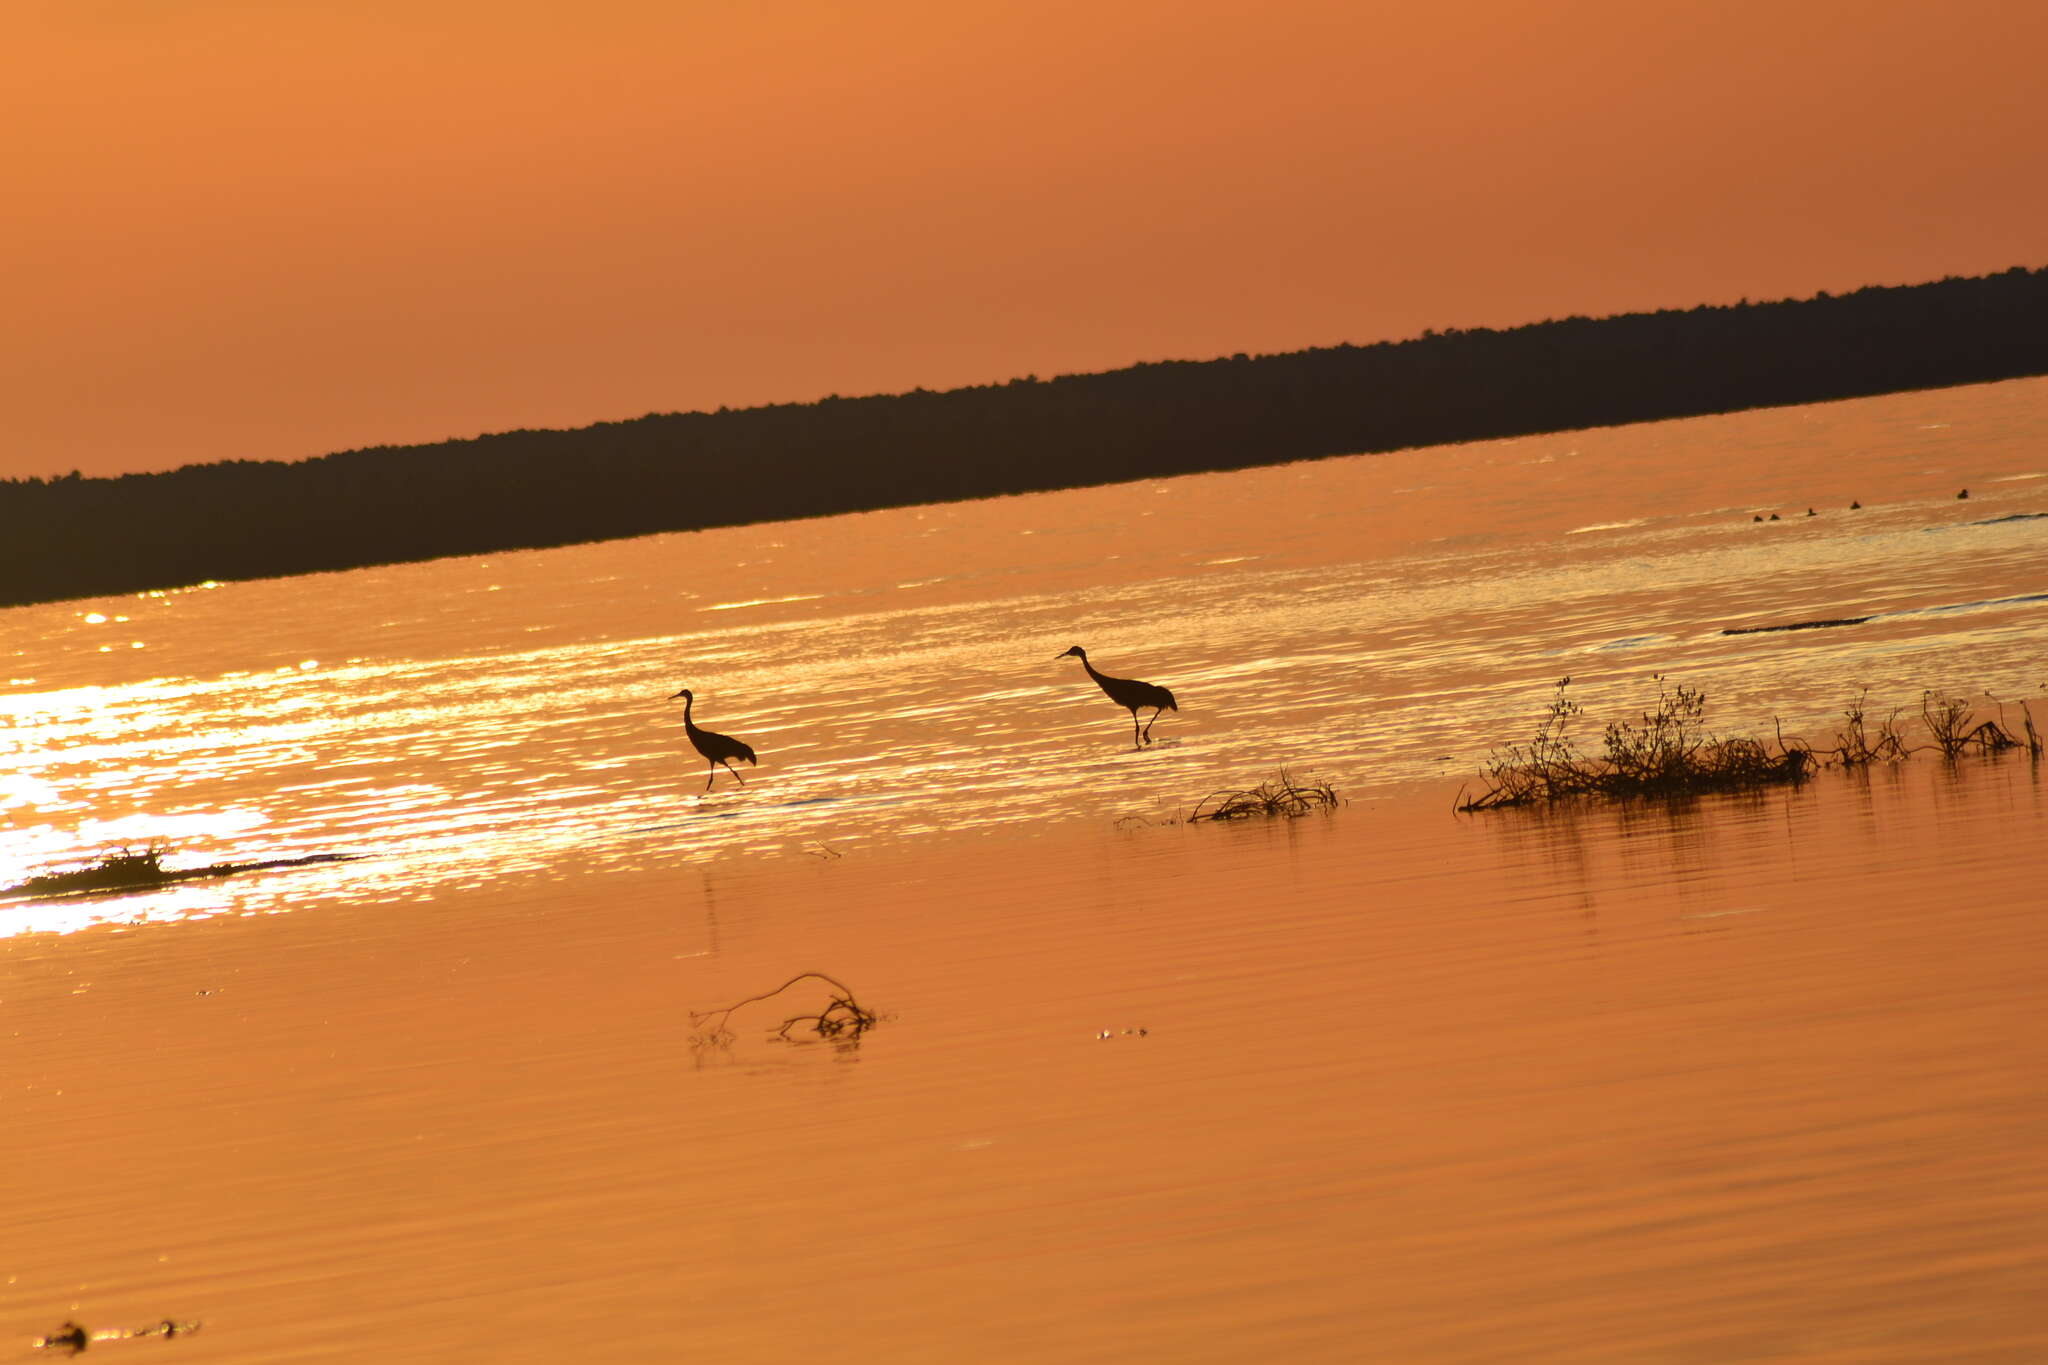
{"x":1130,"y":694}
{"x":715,"y":747}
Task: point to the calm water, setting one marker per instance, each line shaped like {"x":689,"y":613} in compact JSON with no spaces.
{"x":1747,"y":1079}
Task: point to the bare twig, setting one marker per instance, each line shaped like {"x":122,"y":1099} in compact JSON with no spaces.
{"x":1669,"y":752}
{"x":844,"y":1017}
{"x":1282,"y":796}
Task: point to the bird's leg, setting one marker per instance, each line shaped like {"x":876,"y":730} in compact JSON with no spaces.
{"x":1156,"y":714}
{"x":734,"y":771}
{"x":710,"y":776}
{"x":1136,"y":741}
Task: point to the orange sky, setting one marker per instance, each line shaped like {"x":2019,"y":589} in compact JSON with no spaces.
{"x":241,"y":230}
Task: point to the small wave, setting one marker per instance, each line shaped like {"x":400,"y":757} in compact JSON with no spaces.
{"x":1800,"y":625}
{"x":1607,"y":526}
{"x":1987,"y":604}
{"x":765,"y":601}
{"x":2014,"y":516}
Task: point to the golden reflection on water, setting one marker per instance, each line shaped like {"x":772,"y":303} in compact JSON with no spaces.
{"x":1376,"y":622}
{"x":1739,"y":1079}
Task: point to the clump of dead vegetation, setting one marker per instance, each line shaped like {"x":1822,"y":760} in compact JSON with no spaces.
{"x":843,"y":1019}
{"x":1283,"y":796}
{"x":1670,"y":752}
{"x":1860,"y":742}
{"x":119,"y":869}
{"x":1952,"y":723}
{"x":142,"y":869}
{"x":1667,"y":752}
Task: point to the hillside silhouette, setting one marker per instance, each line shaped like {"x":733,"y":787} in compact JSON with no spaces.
{"x":79,"y":537}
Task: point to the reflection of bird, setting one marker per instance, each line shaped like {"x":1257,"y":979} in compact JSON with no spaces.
{"x":1130,"y":694}
{"x":715,"y":747}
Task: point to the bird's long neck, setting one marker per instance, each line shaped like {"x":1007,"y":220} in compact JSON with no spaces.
{"x":1091,"y":669}
{"x":688,"y":724}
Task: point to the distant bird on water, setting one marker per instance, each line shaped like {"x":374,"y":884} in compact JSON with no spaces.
{"x":715,"y":747}
{"x":1130,"y":694}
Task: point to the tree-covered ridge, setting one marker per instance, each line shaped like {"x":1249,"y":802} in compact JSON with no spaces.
{"x":78,"y":537}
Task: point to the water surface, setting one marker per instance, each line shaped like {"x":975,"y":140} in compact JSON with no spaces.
{"x":1377,"y":620}
{"x":1741,"y":1079}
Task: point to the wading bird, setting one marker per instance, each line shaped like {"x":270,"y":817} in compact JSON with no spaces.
{"x":1130,"y":694}
{"x":715,"y":747}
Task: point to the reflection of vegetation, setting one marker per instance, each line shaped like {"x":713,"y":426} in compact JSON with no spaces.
{"x":75,"y":537}
{"x":843,"y":1017}
{"x":1282,"y":796}
{"x":1671,"y":753}
{"x":128,"y":869}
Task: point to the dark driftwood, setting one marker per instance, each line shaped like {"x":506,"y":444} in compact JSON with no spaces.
{"x":1797,"y":625}
{"x":129,"y":871}
{"x":74,"y":1338}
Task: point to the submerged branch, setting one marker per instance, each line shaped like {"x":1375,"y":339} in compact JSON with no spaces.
{"x":843,"y":1017}
{"x":1282,"y":796}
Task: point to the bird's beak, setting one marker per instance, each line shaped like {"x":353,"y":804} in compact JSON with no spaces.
{"x":679,"y":694}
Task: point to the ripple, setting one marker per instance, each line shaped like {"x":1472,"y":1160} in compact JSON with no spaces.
{"x":765,"y":601}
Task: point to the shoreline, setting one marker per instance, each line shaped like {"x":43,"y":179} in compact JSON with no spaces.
{"x":692,"y":471}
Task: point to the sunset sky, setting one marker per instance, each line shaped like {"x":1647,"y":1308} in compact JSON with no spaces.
{"x":242,"y":230}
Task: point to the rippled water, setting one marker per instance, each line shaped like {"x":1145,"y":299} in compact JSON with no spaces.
{"x":1374,"y":621}
{"x":1755,"y":1079}
{"x":1751,"y":1078}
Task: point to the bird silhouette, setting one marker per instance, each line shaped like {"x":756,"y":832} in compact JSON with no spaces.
{"x":1130,"y":694}
{"x":715,"y":747}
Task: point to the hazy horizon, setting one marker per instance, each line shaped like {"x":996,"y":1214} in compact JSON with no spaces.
{"x":252,"y":235}
{"x":998,"y":381}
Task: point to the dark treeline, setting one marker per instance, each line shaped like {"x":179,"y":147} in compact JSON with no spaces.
{"x":78,"y":537}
